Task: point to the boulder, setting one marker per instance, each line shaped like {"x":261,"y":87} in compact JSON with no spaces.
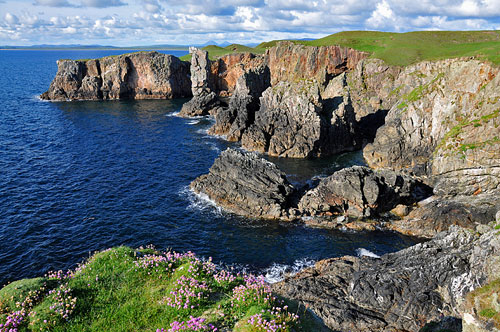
{"x":246,"y":184}
{"x":359,"y":191}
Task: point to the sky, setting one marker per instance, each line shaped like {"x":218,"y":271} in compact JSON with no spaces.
{"x":194,"y":22}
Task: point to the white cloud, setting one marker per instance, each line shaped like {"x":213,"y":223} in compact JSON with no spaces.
{"x":383,"y":17}
{"x":11,"y":19}
{"x":197,"y":21}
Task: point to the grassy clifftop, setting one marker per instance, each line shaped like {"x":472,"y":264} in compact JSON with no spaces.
{"x":399,"y":49}
{"x":122,"y":289}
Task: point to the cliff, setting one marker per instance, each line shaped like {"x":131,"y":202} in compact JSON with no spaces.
{"x":144,"y":75}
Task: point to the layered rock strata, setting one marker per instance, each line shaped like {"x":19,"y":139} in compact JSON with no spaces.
{"x":446,"y":125}
{"x":402,"y":291}
{"x":361,"y":192}
{"x":246,"y":184}
{"x":144,"y":75}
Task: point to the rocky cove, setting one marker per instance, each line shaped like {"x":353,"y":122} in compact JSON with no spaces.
{"x":430,"y":137}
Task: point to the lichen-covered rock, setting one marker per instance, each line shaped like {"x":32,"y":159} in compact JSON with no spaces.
{"x":143,"y":75}
{"x":446,"y":125}
{"x":401,"y":291}
{"x":293,"y":121}
{"x":361,"y":192}
{"x":246,"y":184}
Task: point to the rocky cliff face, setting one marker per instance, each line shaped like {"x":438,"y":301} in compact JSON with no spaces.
{"x":290,"y":62}
{"x":446,"y":125}
{"x":144,"y":75}
{"x":293,"y":121}
{"x":402,"y":291}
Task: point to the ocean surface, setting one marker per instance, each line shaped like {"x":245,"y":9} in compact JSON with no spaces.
{"x":76,"y":177}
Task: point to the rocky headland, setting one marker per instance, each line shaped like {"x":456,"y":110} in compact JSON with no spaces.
{"x":143,"y":75}
{"x":430,"y":137}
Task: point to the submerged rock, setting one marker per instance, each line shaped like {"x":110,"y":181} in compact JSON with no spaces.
{"x":246,"y":184}
{"x":361,"y":192}
{"x":143,"y":75}
{"x":401,"y":291}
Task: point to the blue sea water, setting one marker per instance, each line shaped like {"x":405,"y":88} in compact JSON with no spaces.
{"x":76,"y":177}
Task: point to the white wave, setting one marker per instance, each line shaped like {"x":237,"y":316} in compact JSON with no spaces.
{"x":203,"y":132}
{"x":277,"y":272}
{"x":213,"y":147}
{"x":364,"y":252}
{"x":200,"y":202}
{"x":173,"y":114}
{"x":194,"y":122}
{"x":39,"y":98}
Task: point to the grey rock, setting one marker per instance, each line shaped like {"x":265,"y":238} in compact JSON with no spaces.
{"x":441,"y":213}
{"x":246,"y":184}
{"x":243,"y":104}
{"x":294,"y":121}
{"x":361,"y":192}
{"x":402,"y":291}
{"x":204,"y":99}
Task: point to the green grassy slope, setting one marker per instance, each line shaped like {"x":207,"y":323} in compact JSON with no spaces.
{"x":217,"y":51}
{"x":122,"y":289}
{"x":400,"y":49}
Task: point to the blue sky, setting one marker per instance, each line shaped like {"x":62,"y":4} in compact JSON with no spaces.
{"x":146,"y":22}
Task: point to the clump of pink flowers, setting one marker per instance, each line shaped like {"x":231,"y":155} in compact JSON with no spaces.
{"x":193,"y":324}
{"x":188,"y":294}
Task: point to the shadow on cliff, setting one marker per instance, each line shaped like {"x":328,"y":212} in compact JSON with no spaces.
{"x":368,"y":125}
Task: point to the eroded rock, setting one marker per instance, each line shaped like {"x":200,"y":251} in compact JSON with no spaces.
{"x":359,"y":191}
{"x":143,"y":75}
{"x":246,"y":184}
{"x":398,"y":292}
{"x":293,"y":121}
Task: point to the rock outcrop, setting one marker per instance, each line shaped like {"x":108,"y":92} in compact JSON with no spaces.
{"x":243,"y":104}
{"x":143,"y":75}
{"x":361,"y":192}
{"x":439,"y":213}
{"x":402,"y":291}
{"x":446,"y":126}
{"x":294,"y":121}
{"x":246,"y":184}
{"x":204,"y":99}
{"x":289,"y":62}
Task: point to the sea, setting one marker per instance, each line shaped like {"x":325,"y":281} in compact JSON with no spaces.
{"x":78,"y":177}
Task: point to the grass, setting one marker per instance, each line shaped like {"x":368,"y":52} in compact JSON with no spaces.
{"x":398,"y":49}
{"x":123,"y":289}
{"x":486,"y":301}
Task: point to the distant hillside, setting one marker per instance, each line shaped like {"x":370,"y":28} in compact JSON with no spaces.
{"x":398,"y":49}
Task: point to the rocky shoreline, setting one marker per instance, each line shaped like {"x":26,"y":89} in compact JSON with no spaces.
{"x":429,"y":134}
